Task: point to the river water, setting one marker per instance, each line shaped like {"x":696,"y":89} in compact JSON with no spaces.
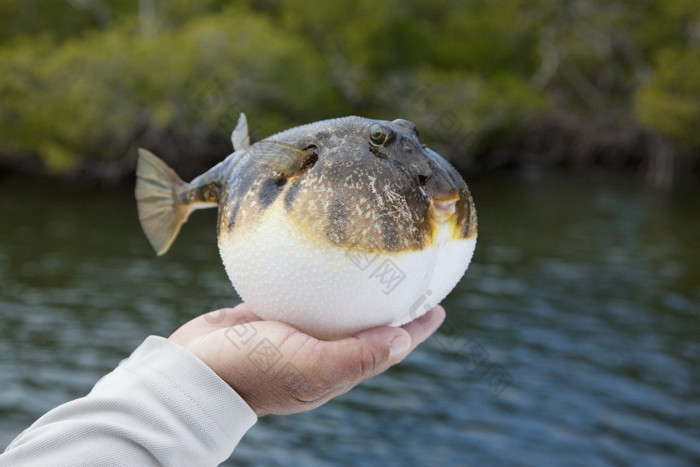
{"x":574,"y":338}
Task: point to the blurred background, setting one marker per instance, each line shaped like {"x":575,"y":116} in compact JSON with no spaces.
{"x":574,"y":337}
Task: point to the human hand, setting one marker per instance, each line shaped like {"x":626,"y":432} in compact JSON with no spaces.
{"x":278,"y":369}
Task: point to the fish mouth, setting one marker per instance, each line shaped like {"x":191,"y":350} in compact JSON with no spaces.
{"x":441,"y":210}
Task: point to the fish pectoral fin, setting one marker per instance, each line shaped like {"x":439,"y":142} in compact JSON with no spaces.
{"x":161,"y":212}
{"x":282,"y":157}
{"x":239,"y":136}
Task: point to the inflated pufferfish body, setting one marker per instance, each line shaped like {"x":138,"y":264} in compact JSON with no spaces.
{"x":332,"y":227}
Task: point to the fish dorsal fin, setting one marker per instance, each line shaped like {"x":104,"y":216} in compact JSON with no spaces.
{"x":282,"y":157}
{"x":239,"y":135}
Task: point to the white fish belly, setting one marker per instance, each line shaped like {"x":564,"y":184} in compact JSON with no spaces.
{"x":330,"y":292}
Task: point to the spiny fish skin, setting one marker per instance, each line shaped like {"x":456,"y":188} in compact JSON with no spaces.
{"x":322,"y":195}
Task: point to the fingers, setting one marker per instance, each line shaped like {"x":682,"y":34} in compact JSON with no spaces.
{"x":227,"y":317}
{"x":218,"y":319}
{"x":321,"y":369}
{"x":373,"y":351}
{"x":406,"y":338}
{"x":424,"y":326}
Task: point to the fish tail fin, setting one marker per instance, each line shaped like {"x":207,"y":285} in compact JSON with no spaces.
{"x":161,"y":210}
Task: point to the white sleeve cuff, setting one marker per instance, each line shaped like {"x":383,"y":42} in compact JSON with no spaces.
{"x":186,"y":387}
{"x":161,"y":406}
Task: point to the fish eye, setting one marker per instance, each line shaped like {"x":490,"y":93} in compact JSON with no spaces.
{"x":378,"y":135}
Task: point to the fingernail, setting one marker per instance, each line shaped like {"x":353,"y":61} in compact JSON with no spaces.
{"x":425,"y":317}
{"x":432,"y":315}
{"x":399,"y":344}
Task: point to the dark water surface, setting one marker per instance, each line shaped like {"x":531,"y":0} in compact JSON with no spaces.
{"x":574,"y":338}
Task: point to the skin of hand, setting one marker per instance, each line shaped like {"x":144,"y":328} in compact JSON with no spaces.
{"x":278,"y":369}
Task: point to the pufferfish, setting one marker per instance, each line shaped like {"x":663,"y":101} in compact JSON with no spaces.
{"x":333,"y":227}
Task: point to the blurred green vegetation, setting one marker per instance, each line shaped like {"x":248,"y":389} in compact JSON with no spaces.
{"x":84,"y":82}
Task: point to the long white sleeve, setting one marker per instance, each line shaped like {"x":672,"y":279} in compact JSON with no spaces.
{"x":161,"y":406}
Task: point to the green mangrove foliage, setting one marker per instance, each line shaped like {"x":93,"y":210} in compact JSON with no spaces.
{"x":84,"y":82}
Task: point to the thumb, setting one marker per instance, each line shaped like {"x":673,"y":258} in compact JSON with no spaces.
{"x":379,"y":348}
{"x":387,"y":346}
